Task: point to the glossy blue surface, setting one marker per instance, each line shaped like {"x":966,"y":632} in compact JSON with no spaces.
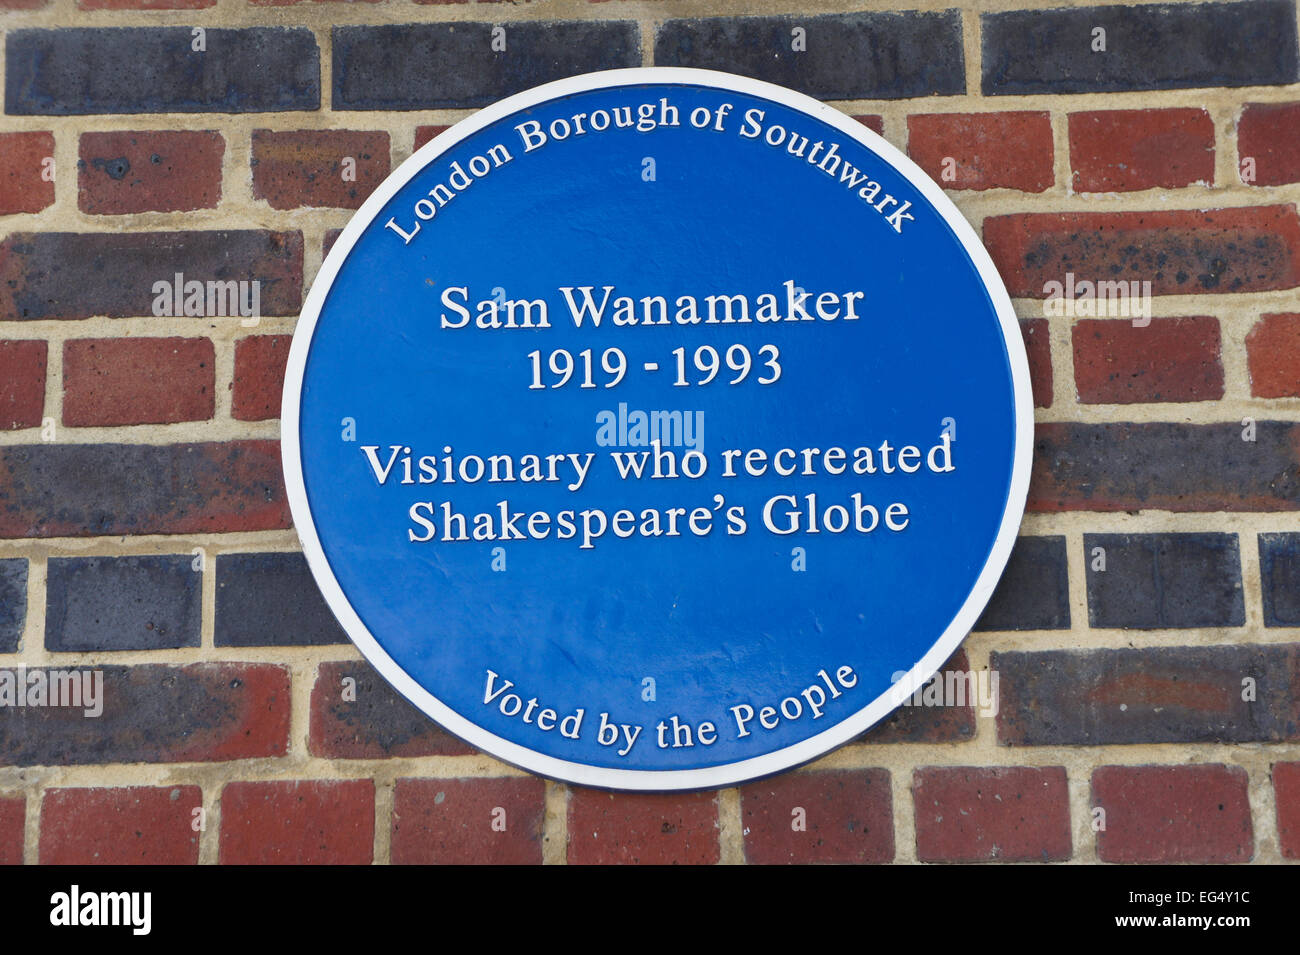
{"x":716,"y":620}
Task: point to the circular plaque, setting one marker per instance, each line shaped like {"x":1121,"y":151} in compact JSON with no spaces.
{"x":657,"y":429}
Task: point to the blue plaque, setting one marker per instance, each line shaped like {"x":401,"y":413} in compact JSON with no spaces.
{"x":642,"y":428}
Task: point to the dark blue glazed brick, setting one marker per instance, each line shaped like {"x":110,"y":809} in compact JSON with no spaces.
{"x":1279,"y":571}
{"x":152,"y":713}
{"x":83,"y":70}
{"x":453,"y":65}
{"x":846,"y":56}
{"x":1034,"y":592}
{"x":122,"y":603}
{"x":1164,"y":466}
{"x":1149,"y":695}
{"x":73,"y":275}
{"x":1157,"y":581}
{"x":271,"y":600}
{"x":13,"y":602}
{"x":374,"y":721}
{"x":1158,"y":46}
{"x":96,"y":490}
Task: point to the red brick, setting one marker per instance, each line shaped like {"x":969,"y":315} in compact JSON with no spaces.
{"x":1183,"y":252}
{"x":1038,"y":349}
{"x":374,"y":722}
{"x":423,"y":134}
{"x":459,"y":821}
{"x":246,"y":716}
{"x":13,"y":821}
{"x":160,"y":171}
{"x":305,"y":167}
{"x":22,"y":188}
{"x":1273,"y":356}
{"x":1269,"y":133}
{"x":313,"y":822}
{"x":22,"y":384}
{"x":988,"y":150}
{"x":1171,"y":359}
{"x":1173,"y":814}
{"x":331,"y":236}
{"x":259,"y":376}
{"x":1011,"y":814}
{"x":22,"y":4}
{"x":145,"y":4}
{"x":118,"y":381}
{"x":1124,"y":150}
{"x":874,"y":123}
{"x":643,"y":828}
{"x":846,"y":816}
{"x":138,"y":825}
{"x":1286,"y":790}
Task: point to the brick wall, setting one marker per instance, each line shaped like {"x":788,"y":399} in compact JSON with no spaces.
{"x":1146,"y":635}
